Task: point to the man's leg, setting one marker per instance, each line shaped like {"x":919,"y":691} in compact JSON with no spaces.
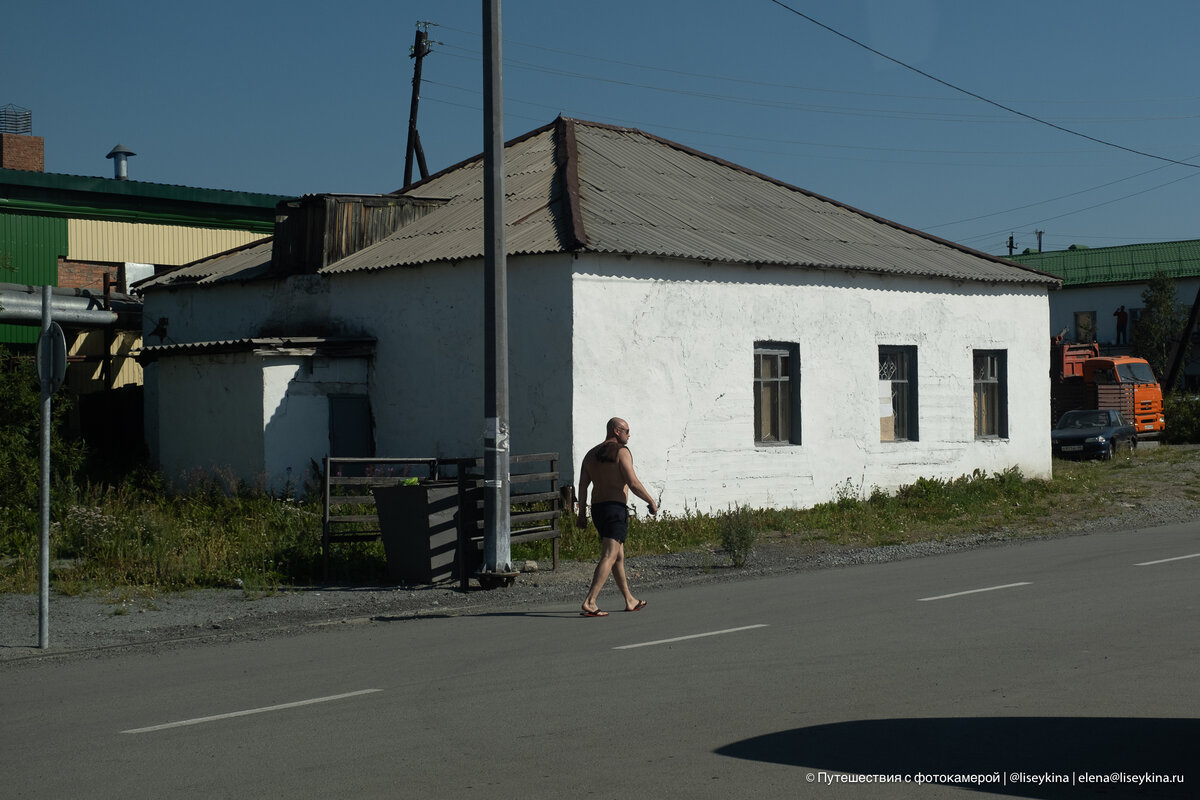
{"x":610,"y":549}
{"x":618,"y":571}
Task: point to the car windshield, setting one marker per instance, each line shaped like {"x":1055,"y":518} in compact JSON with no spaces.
{"x":1083,"y":419}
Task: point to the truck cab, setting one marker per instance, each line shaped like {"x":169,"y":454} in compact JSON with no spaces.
{"x":1128,"y":385}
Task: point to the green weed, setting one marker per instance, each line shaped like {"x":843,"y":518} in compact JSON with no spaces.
{"x":135,"y":539}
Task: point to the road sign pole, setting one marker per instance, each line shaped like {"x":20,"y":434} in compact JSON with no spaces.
{"x":44,"y":568}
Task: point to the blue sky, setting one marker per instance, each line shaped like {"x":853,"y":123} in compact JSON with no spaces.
{"x":301,"y":97}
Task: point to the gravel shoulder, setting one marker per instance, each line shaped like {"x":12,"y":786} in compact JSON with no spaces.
{"x":101,"y":625}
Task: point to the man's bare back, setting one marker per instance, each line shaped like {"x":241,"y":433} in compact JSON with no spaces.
{"x":608,"y":470}
{"x":605,"y":465}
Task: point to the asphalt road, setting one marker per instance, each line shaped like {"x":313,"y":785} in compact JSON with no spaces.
{"x":1059,"y":661}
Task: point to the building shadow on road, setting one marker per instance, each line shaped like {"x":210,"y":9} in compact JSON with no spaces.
{"x":1058,"y":748}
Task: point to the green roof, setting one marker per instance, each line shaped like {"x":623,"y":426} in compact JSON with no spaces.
{"x":1131,"y":263}
{"x":137,"y":189}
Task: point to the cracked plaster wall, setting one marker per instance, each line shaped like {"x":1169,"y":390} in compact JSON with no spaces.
{"x":668,"y":346}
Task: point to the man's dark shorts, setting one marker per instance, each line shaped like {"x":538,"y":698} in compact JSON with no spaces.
{"x":611,"y":519}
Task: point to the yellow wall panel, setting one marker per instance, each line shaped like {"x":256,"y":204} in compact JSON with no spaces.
{"x":85,"y":370}
{"x":167,"y":245}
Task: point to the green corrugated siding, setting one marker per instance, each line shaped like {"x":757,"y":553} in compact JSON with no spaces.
{"x":30,"y":246}
{"x":1128,"y":263}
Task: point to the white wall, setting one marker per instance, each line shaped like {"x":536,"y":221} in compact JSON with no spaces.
{"x":426,"y":379}
{"x":261,"y":420}
{"x":668,"y":346}
{"x":427,"y":387}
{"x":1104,"y":299}
{"x":210,"y":420}
{"x":665,"y":344}
{"x":295,"y":413}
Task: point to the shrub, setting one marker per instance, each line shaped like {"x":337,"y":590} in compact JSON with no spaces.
{"x":1183,"y":419}
{"x":21,"y":453}
{"x":737,"y":533}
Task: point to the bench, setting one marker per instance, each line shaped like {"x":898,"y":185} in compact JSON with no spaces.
{"x":347,"y":486}
{"x":536,"y":505}
{"x":535,"y":501}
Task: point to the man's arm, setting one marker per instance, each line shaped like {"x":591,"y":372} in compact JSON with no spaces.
{"x":631,"y":480}
{"x":585,"y":481}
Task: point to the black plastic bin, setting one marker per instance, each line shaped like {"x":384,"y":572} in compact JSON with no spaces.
{"x":419,"y":526}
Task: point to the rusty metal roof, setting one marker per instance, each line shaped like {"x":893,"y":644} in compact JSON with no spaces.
{"x":576,"y":186}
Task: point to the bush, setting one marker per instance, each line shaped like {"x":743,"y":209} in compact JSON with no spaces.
{"x":737,"y":534}
{"x":1183,"y":419}
{"x":21,"y":453}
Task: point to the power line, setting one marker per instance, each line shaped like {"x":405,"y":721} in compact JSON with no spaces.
{"x":1009,"y":109}
{"x":787,"y":105}
{"x":1060,"y":197}
{"x":769,"y":84}
{"x":1087,"y":208}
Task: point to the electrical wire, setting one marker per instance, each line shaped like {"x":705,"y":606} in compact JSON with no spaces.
{"x":980,"y":97}
{"x":1060,"y":197}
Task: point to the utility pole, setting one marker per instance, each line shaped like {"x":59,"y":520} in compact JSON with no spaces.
{"x":1179,"y":351}
{"x":1011,"y":244}
{"x":420,"y":49}
{"x":1039,"y":237}
{"x":497,"y":556}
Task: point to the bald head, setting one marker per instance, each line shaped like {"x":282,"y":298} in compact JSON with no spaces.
{"x":614,"y":424}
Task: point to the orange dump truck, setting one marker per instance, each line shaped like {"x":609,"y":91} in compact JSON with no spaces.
{"x":1081,"y":378}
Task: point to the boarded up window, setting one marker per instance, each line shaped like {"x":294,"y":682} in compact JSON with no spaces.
{"x":991,"y":393}
{"x":776,"y":393}
{"x":1085,"y":326}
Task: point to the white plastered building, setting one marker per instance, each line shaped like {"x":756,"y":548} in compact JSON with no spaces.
{"x":768,"y":346}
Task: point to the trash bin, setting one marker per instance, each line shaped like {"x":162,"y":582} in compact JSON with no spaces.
{"x":419,"y":526}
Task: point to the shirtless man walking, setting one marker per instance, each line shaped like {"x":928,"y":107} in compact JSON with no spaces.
{"x":609,"y":468}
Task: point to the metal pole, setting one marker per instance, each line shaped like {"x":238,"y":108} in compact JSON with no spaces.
{"x":44,"y":548}
{"x":497,"y":557}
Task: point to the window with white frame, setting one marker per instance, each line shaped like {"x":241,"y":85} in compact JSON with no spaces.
{"x":897,"y":393}
{"x":991,"y":394}
{"x":776,"y":393}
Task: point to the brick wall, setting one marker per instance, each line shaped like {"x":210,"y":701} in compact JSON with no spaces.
{"x":22,"y":152}
{"x":88,"y":275}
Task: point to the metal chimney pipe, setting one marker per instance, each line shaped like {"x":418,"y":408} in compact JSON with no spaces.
{"x":120,"y":156}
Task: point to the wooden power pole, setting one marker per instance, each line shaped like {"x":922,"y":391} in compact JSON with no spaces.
{"x":420,"y":49}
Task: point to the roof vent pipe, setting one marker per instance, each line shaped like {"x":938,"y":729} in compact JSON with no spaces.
{"x":120,"y":155}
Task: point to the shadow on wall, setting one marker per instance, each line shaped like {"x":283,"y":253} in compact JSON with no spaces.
{"x":1051,"y":749}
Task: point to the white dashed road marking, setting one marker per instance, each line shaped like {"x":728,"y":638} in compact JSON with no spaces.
{"x":684,"y":638}
{"x":973,"y":591}
{"x":248,"y":712}
{"x":1165,"y":560}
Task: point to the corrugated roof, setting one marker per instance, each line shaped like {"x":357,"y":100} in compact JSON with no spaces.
{"x":280,"y":345}
{"x":240,"y":264}
{"x":577,"y":185}
{"x":1125,"y":263}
